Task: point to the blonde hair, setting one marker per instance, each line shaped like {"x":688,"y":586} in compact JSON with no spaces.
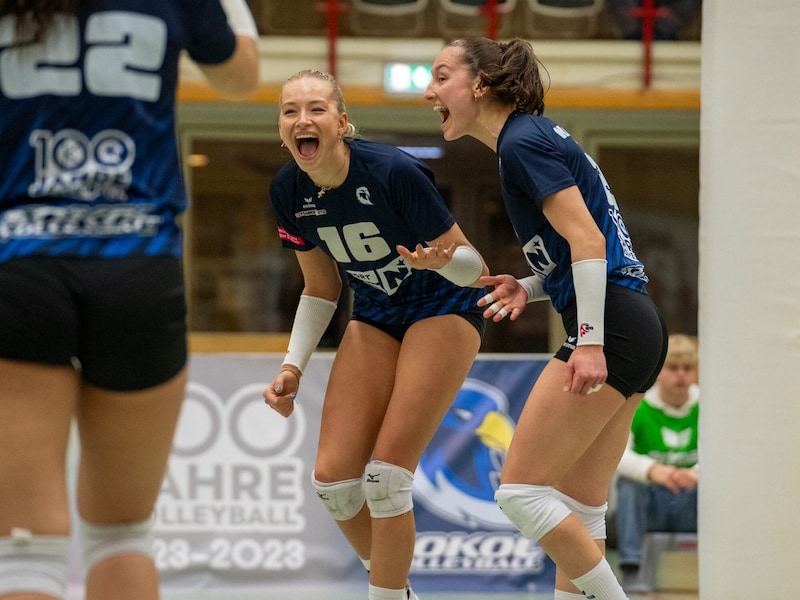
{"x":682,"y":349}
{"x":336,"y":95}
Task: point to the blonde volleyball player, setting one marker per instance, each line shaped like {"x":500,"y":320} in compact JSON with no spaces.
{"x":348,"y":202}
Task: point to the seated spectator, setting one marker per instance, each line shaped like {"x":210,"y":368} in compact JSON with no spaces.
{"x":669,"y":26}
{"x":658,"y":475}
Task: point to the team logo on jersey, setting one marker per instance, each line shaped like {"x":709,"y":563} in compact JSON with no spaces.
{"x":362,"y":195}
{"x":459,"y":472}
{"x":537,"y":256}
{"x":388,"y":278}
{"x":71,"y":165}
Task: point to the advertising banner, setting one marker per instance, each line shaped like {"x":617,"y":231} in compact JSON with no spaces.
{"x":237,"y":512}
{"x":464,"y":541}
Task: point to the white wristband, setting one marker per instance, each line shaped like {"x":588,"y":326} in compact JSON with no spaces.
{"x":240,"y":18}
{"x":589,"y":277}
{"x":464,"y":267}
{"x":311,"y":319}
{"x":534,"y":285}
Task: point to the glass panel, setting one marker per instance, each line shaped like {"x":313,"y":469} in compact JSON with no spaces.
{"x":240,"y":279}
{"x":658,"y":192}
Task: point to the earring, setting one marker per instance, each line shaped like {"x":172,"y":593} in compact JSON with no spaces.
{"x":283,"y":145}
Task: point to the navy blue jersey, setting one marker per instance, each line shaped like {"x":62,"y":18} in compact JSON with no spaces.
{"x":89,"y":162}
{"x":388,"y":198}
{"x":538,"y":158}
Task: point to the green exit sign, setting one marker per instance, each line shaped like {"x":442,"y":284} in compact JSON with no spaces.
{"x":404,"y":78}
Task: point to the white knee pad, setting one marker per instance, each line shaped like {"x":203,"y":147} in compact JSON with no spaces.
{"x":342,"y":499}
{"x":100,"y":542}
{"x":33,"y":563}
{"x":532,"y":508}
{"x":593,"y":517}
{"x":388,"y":489}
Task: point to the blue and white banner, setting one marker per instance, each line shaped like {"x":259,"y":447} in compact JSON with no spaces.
{"x":464,"y":541}
{"x":237,"y":512}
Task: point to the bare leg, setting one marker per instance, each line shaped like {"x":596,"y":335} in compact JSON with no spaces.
{"x":398,"y":398}
{"x":435,"y":358}
{"x":589,"y":479}
{"x":126,"y":440}
{"x":359,"y":388}
{"x":36,"y":408}
{"x":548,"y":414}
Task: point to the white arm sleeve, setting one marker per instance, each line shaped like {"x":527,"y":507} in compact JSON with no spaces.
{"x":590,"y":277}
{"x":464,"y":267}
{"x":534,"y":285}
{"x":311,"y":319}
{"x":240,"y":18}
{"x":634,"y":466}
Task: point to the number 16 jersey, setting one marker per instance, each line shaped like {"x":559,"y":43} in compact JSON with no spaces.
{"x":388,"y":198}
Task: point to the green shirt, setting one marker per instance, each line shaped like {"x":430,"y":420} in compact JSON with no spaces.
{"x":666,"y":434}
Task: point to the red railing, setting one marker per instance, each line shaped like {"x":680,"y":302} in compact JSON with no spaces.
{"x":648,"y":13}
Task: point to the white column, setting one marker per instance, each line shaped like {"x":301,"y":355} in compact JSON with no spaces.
{"x":749,"y":321}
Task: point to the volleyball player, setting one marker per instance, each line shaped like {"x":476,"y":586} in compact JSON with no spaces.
{"x":575,"y":423}
{"x":374,"y":211}
{"x":92,"y":310}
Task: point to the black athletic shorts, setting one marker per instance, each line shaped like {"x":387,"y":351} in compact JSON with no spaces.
{"x":123,"y":319}
{"x":474,"y":317}
{"x":635,"y":341}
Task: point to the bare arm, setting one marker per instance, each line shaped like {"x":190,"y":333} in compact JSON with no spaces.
{"x":314,"y":311}
{"x":237,"y":77}
{"x":566,"y":211}
{"x":320,"y":275}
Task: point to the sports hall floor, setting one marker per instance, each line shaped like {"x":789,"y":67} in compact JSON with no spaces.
{"x":267,"y":595}
{"x":361,"y":594}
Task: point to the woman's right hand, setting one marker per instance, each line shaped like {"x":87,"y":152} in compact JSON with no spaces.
{"x":281,"y":393}
{"x":507,"y":299}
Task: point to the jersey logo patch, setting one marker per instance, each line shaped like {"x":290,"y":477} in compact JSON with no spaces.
{"x":362,"y":195}
{"x":286,"y":236}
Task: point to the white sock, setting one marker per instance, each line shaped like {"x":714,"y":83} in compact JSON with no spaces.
{"x":562,"y":595}
{"x":600,"y":583}
{"x":379,"y":593}
{"x":365,"y":562}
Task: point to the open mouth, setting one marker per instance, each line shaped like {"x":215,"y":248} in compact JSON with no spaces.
{"x":307,"y":146}
{"x":444,"y":114}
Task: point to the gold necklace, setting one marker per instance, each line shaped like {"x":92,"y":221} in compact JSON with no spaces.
{"x":327,"y":188}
